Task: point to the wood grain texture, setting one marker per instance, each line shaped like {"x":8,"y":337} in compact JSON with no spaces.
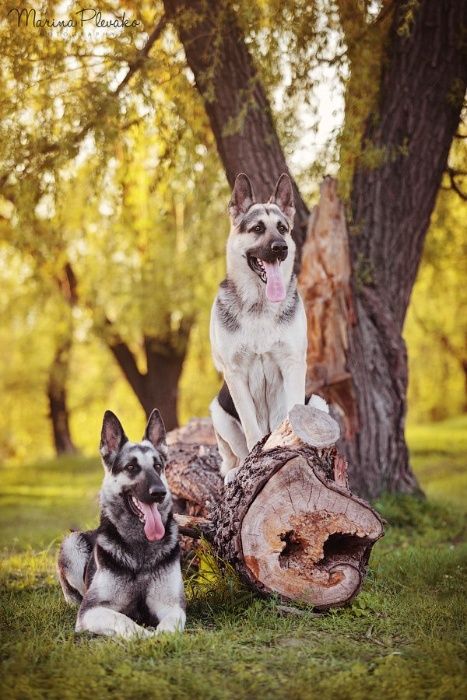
{"x":289,"y":528}
{"x":285,"y":532}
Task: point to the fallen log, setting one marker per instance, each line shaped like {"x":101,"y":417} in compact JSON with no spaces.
{"x":288,"y":523}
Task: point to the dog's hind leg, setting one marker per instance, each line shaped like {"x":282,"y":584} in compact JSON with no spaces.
{"x":72,"y":559}
{"x":230,"y":438}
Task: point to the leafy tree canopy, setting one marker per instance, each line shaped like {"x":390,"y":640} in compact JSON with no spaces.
{"x":108,"y":164}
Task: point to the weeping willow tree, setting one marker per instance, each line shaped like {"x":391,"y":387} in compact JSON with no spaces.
{"x":104,"y":190}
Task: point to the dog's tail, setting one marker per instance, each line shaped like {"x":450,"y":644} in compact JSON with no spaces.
{"x":318,"y":402}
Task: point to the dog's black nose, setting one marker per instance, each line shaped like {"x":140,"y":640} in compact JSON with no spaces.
{"x":157,"y":493}
{"x":280,"y":249}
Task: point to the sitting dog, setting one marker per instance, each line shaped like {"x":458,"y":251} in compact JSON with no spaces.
{"x":127,"y":571}
{"x":258,"y":325}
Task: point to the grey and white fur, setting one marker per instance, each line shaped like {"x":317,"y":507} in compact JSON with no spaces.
{"x":258,"y":324}
{"x":126,"y":573}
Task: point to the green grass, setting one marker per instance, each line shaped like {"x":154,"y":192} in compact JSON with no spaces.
{"x":439,"y":457}
{"x":401,"y":638}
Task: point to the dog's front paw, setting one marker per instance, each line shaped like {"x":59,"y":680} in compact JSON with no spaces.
{"x":231,"y":476}
{"x":146,"y":633}
{"x":171,"y":624}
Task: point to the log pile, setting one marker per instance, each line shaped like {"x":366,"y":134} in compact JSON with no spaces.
{"x":288,"y":523}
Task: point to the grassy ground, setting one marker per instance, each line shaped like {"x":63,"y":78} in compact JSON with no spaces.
{"x":402,"y":637}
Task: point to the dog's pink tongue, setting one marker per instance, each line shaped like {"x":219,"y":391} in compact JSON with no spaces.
{"x":275,"y":287}
{"x":153,"y":527}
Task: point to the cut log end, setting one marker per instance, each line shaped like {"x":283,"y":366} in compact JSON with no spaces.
{"x":306,"y":541}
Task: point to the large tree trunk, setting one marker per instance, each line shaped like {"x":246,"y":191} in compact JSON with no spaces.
{"x":235,"y":101}
{"x":409,"y":133}
{"x":357,"y":362}
{"x":164,"y":368}
{"x":158,"y":386}
{"x":422,"y":88}
{"x":57,"y":398}
{"x":57,"y":394}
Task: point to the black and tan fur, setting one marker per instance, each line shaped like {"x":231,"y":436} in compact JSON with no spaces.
{"x":119,"y":578}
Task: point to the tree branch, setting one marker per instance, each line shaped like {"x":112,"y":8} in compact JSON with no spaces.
{"x":124,"y":357}
{"x":443,"y":340}
{"x":452,"y":174}
{"x":142,"y":56}
{"x":68,"y":285}
{"x":133,"y":68}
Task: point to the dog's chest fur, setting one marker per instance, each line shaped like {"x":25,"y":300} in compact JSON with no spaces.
{"x":254,"y":338}
{"x":133,"y":572}
{"x":252,"y":330}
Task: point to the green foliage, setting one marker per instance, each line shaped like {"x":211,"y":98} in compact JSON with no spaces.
{"x":129,"y":189}
{"x":436,"y":327}
{"x":437,"y":456}
{"x":28,"y":312}
{"x":401,"y":638}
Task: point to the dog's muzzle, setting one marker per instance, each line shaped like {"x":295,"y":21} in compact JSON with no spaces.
{"x":266,"y":261}
{"x":157,"y":493}
{"x":148,"y":514}
{"x":279,"y":250}
{"x":275,"y":253}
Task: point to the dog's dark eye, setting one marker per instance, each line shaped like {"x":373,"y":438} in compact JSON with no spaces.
{"x":282,"y":228}
{"x":157,"y":464}
{"x":132,"y":468}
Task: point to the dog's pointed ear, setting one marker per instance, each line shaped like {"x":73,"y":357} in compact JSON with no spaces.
{"x":112,"y":438}
{"x":155,"y":432}
{"x":242,"y":197}
{"x":283,"y":196}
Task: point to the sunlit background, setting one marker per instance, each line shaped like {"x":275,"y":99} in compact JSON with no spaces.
{"x":113,"y":221}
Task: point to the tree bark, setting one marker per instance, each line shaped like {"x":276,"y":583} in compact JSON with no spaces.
{"x":57,"y":394}
{"x":164,"y":368}
{"x":234,"y":98}
{"x":158,"y":386}
{"x":195,"y":481}
{"x":422,"y":88}
{"x":357,"y":362}
{"x":57,"y":398}
{"x":407,"y":138}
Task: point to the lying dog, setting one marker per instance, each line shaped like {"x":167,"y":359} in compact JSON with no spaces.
{"x":127,"y":571}
{"x":258,"y":324}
